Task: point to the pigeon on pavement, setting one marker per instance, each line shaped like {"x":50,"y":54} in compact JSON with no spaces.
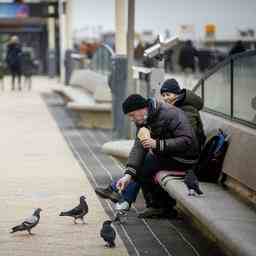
{"x":79,"y":211}
{"x":28,"y":223}
{"x":108,"y":234}
{"x":192,"y":183}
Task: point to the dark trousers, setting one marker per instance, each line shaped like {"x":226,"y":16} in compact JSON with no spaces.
{"x":155,"y":196}
{"x":15,"y":72}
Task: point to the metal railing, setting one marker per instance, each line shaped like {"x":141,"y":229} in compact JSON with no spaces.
{"x":229,"y":89}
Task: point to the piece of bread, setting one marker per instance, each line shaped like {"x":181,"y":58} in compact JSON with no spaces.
{"x":143,"y":133}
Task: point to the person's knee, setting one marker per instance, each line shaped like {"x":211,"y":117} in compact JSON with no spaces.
{"x":150,"y":166}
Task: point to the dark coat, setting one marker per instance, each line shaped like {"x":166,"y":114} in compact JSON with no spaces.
{"x":187,"y":56}
{"x":13,"y":57}
{"x":191,"y":104}
{"x":175,"y":137}
{"x":237,"y":48}
{"x":27,"y":64}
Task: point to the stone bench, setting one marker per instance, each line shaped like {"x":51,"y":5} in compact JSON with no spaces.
{"x":89,"y":96}
{"x":227,"y":215}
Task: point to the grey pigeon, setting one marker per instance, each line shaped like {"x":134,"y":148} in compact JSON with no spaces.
{"x":79,"y":211}
{"x":28,"y":223}
{"x":108,"y":234}
{"x":192,"y":183}
{"x":120,"y":216}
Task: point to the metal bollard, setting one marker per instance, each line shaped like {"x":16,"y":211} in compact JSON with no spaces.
{"x":68,"y":66}
{"x":118,"y":86}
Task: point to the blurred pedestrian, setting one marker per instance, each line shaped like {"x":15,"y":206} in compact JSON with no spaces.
{"x":28,"y":68}
{"x":13,"y":60}
{"x":187,"y":57}
{"x":2,"y":71}
{"x":237,"y":48}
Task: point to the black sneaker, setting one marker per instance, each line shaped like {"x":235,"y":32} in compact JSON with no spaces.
{"x":108,"y":193}
{"x":153,"y":213}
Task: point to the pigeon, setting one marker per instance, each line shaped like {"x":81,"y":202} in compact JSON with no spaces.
{"x":108,"y":234}
{"x":78,"y":212}
{"x":121,"y":209}
{"x":192,"y":183}
{"x":28,"y":223}
{"x":120,"y":216}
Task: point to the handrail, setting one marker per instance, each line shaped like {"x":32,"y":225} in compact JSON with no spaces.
{"x":233,"y":110}
{"x":222,"y":64}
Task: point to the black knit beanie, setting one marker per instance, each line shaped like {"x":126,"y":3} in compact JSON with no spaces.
{"x":134,"y":102}
{"x":170,"y":85}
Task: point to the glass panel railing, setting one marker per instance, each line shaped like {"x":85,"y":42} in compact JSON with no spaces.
{"x":245,"y":88}
{"x":217,"y":91}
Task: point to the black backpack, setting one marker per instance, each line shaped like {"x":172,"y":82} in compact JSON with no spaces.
{"x":212,"y":156}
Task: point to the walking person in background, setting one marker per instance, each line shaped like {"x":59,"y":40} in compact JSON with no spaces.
{"x":2,"y":73}
{"x":13,"y":60}
{"x":187,"y":57}
{"x":28,"y":68}
{"x":238,"y":47}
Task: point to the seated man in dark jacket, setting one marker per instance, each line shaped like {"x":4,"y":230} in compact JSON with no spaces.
{"x":173,"y":145}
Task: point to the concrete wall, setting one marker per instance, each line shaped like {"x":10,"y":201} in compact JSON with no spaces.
{"x":240,"y":160}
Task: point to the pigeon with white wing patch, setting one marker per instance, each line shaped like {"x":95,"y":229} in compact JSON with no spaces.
{"x":28,"y":223}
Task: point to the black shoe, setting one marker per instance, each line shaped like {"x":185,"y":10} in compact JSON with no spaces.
{"x":108,"y":193}
{"x":153,"y":213}
{"x":170,"y":213}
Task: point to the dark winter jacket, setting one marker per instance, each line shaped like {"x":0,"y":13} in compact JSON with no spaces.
{"x":237,"y":48}
{"x":171,"y":129}
{"x":187,"y":56}
{"x":13,"y":57}
{"x":27,"y":64}
{"x":191,"y":104}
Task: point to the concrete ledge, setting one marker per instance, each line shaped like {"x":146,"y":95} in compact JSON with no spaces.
{"x":92,"y":114}
{"x":93,"y":83}
{"x":71,"y":94}
{"x":89,"y":96}
{"x":119,"y":149}
{"x":230,"y":221}
{"x":90,"y":106}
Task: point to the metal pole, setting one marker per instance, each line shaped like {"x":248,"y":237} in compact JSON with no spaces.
{"x":130,"y":56}
{"x":130,"y":46}
{"x":118,"y":81}
{"x":120,"y":35}
{"x":62,"y":31}
{"x":232,"y":88}
{"x":51,"y":45}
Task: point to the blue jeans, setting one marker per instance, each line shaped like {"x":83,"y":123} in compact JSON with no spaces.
{"x":130,"y":193}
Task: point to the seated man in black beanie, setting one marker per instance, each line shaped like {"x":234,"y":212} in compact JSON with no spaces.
{"x":172,"y":145}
